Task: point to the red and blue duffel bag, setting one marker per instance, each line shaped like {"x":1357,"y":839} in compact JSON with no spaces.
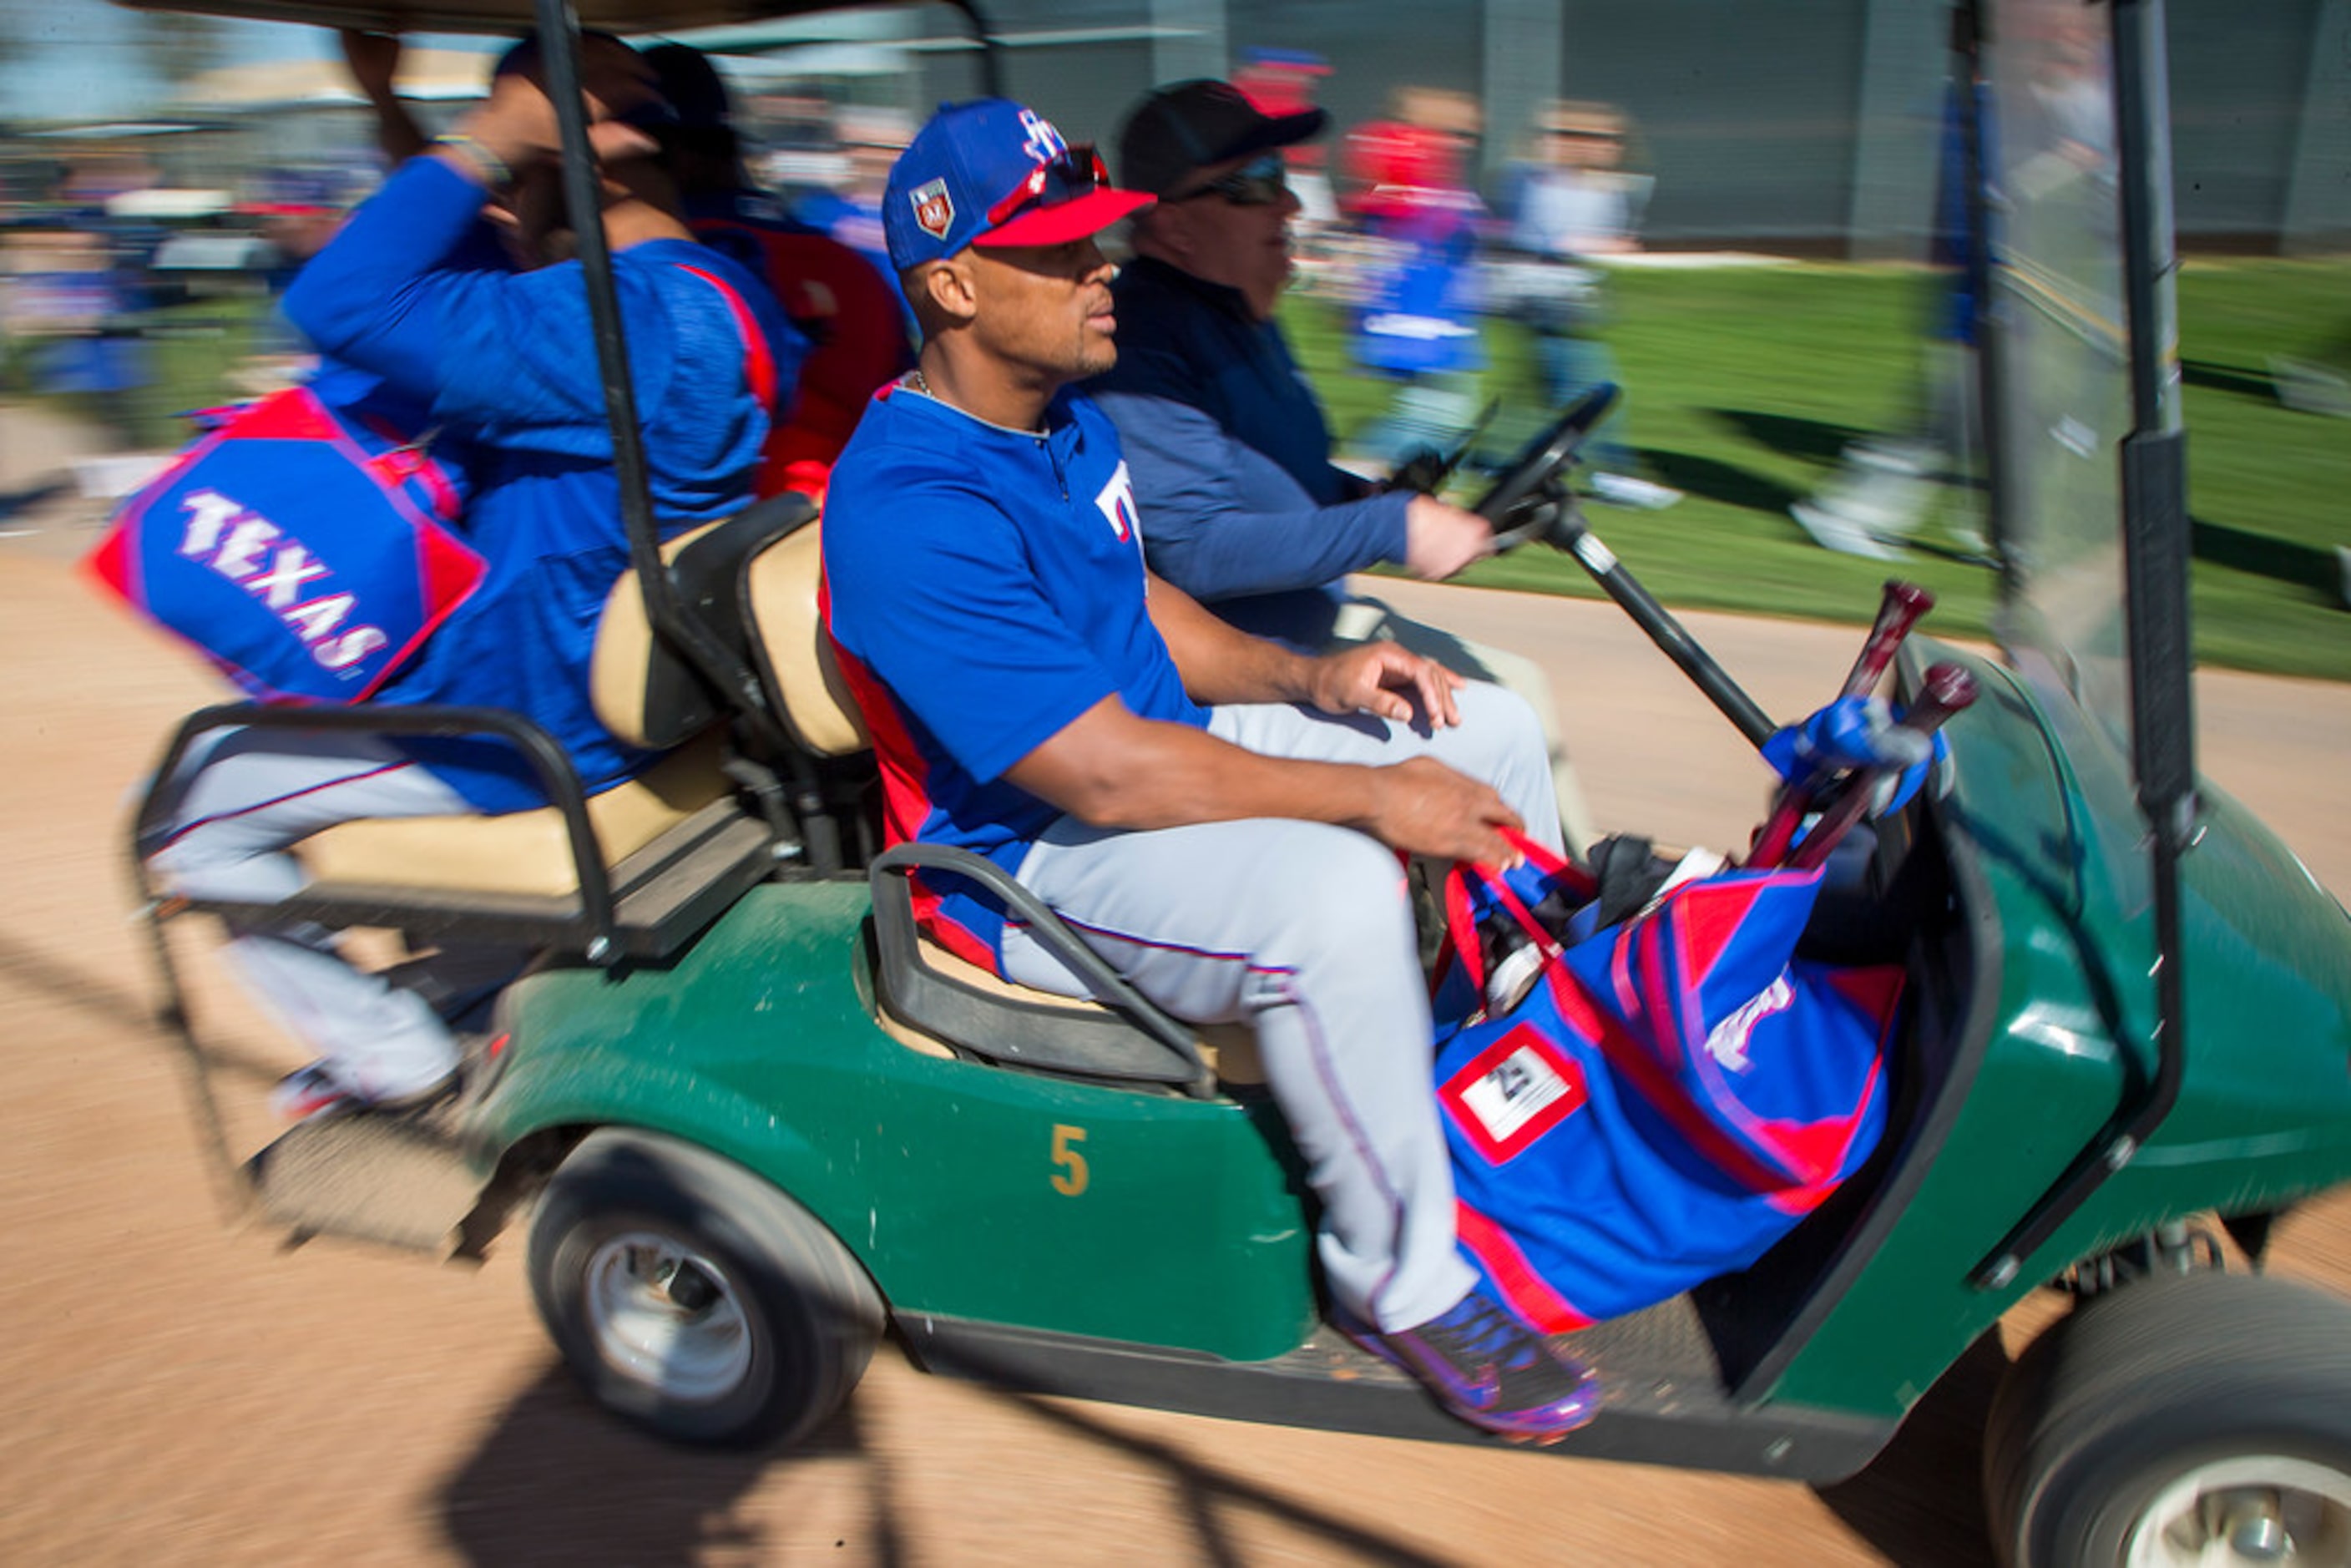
{"x":302,"y":546}
{"x":1668,"y":1099}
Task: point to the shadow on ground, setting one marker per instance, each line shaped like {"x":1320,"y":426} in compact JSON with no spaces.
{"x":2264,"y":555}
{"x":1814,"y":440}
{"x":1921,"y":1501}
{"x":556,"y":1480}
{"x":1719,"y":481}
{"x":2213,"y":377}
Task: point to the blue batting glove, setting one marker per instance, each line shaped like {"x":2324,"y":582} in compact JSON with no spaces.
{"x":1851,"y":732}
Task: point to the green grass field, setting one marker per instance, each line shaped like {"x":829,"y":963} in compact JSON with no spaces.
{"x":189,"y":351}
{"x":1744,"y":384}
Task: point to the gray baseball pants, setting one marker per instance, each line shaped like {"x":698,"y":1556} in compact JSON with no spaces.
{"x":235,"y":807}
{"x":1363,"y":619}
{"x":1305,"y":931}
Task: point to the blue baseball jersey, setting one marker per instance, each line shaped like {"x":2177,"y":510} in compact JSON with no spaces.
{"x":984,"y":588}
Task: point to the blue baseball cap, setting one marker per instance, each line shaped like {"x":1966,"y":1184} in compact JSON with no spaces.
{"x":995,"y":172}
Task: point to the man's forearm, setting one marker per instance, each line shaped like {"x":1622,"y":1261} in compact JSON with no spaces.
{"x":1113,"y":770}
{"x":361,"y":298}
{"x":1220,"y":663}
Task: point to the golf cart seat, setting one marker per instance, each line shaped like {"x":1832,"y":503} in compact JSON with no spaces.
{"x":753,"y":579}
{"x":753,"y":576}
{"x":1229,"y":1049}
{"x":525,"y":853}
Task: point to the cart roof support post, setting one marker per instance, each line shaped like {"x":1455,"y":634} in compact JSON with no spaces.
{"x":2155,"y":555}
{"x":732,"y":677}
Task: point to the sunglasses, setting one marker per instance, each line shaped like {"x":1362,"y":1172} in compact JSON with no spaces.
{"x":1260,"y":182}
{"x":1072,"y":174}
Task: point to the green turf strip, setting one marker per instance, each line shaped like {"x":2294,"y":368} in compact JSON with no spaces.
{"x":1745,"y":383}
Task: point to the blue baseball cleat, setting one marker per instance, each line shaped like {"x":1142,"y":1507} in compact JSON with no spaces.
{"x":1492,"y":1371}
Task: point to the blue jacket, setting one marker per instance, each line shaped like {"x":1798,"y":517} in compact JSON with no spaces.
{"x":507,"y":362}
{"x":1241,"y":507}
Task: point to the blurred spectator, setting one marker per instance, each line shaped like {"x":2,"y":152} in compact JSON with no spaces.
{"x":1570,"y":203}
{"x":851,"y":213}
{"x":1885,"y":488}
{"x":74,"y":296}
{"x":1417,"y":324}
{"x":1281,"y":82}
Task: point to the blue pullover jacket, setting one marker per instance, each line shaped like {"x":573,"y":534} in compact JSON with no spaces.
{"x":507,"y":362}
{"x":1241,"y":508}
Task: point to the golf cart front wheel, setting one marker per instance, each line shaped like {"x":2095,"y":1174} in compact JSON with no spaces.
{"x":693,"y":1299}
{"x":2200,"y":1421}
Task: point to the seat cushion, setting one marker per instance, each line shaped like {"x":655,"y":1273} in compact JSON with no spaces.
{"x":791,"y":642}
{"x":1229,"y":1049}
{"x":640,"y":696}
{"x":648,"y":695}
{"x":521,"y":852}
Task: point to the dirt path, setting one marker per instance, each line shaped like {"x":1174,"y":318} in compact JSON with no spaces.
{"x":180,"y":1392}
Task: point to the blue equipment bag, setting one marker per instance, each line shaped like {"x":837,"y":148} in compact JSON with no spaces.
{"x":300,"y":547}
{"x":1670,"y":1099}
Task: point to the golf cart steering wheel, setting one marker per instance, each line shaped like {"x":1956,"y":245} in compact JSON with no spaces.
{"x":1537,"y":465}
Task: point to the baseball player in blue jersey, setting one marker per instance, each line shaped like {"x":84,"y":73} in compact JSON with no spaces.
{"x":1218,"y":815}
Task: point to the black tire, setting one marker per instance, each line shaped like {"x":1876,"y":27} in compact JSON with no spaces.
{"x":2223,"y":1385}
{"x":693,"y":1297}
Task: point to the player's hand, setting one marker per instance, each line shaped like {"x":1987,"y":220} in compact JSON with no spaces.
{"x":1385,"y":680}
{"x":1440,"y":538}
{"x":1424,"y":808}
{"x":517,"y":122}
{"x":374,"y":60}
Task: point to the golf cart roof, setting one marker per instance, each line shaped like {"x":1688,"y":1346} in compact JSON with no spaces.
{"x":502,"y":17}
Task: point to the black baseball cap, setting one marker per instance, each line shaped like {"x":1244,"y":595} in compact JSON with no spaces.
{"x":1186,"y":126}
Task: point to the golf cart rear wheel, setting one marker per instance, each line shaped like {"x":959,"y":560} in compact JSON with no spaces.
{"x":693,"y":1297}
{"x":2204,"y":1419}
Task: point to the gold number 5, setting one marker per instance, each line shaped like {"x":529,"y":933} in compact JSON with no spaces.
{"x":1070,"y":1179}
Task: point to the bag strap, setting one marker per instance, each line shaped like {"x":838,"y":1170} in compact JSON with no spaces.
{"x":412,"y":460}
{"x":1461,"y":919}
{"x":1558,"y":867}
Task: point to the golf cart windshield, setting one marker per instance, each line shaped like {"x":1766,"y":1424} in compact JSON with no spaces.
{"x":2056,"y":302}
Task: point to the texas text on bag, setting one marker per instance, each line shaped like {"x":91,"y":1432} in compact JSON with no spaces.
{"x":300,"y":546}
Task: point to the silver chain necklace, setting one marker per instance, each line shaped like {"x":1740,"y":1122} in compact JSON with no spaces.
{"x":915,"y":380}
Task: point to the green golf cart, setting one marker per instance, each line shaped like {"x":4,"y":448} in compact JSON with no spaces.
{"x":751,"y":1121}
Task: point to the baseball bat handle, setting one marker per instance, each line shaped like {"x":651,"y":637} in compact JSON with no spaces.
{"x":1947,"y":690}
{"x":1897,"y":611}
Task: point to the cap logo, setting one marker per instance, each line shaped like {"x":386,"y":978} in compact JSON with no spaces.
{"x":934,"y":208}
{"x":1043,"y":144}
